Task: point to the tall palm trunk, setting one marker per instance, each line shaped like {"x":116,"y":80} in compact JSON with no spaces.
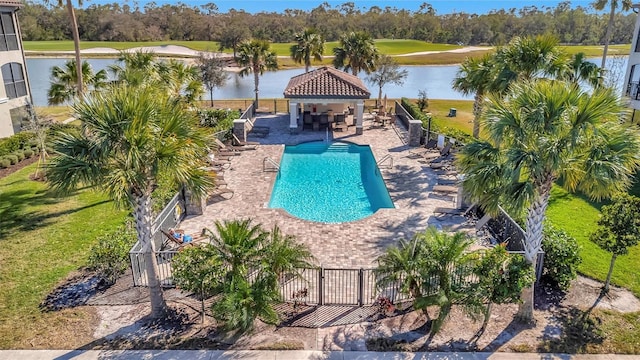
{"x":608,"y":281}
{"x":533,"y":241}
{"x":76,"y":45}
{"x":256,"y":81}
{"x":477,"y":112}
{"x":143,"y":227}
{"x":608,"y":33}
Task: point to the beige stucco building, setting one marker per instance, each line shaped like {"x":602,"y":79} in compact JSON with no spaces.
{"x":15,"y":94}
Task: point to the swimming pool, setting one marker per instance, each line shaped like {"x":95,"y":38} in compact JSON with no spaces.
{"x":332,"y":183}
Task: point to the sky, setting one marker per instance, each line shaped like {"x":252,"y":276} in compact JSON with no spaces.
{"x":441,"y":6}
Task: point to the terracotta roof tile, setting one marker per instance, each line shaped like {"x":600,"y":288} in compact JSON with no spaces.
{"x":328,"y":83}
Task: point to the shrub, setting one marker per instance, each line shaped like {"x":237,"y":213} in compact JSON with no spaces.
{"x":28,"y":153}
{"x":12,"y":158}
{"x":36,"y":150}
{"x":4,"y":163}
{"x":110,"y":255}
{"x":561,"y":257}
{"x":15,"y":142}
{"x":218,"y":119}
{"x":19,"y":154}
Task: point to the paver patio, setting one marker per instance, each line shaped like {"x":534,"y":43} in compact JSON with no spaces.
{"x":347,"y":245}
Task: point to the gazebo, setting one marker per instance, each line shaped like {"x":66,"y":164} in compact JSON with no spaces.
{"x":326,"y":91}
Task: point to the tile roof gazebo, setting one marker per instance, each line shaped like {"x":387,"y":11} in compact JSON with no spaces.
{"x":326,"y":90}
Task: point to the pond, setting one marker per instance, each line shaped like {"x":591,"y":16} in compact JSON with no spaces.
{"x":435,"y":79}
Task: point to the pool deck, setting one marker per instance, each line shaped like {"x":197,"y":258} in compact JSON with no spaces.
{"x":345,"y":245}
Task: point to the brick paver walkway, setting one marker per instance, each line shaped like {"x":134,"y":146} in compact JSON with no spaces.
{"x":355,"y":244}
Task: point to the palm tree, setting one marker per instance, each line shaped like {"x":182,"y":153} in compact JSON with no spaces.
{"x":545,"y":131}
{"x":476,"y":75}
{"x":415,"y":264}
{"x":357,"y":52}
{"x":76,"y":40}
{"x":580,"y":69}
{"x":64,"y":84}
{"x":254,"y":263}
{"x":600,"y":5}
{"x":256,"y":57}
{"x":527,"y":58}
{"x":309,"y":44}
{"x":137,"y":67}
{"x":183,"y":80}
{"x":131,"y":137}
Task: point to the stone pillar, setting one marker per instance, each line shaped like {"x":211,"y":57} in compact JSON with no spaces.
{"x":415,"y":132}
{"x":194,"y":205}
{"x":240,"y":129}
{"x":359,"y":117}
{"x":293,"y":117}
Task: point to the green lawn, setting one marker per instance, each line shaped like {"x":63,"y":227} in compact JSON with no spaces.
{"x":390,"y":47}
{"x":43,"y":238}
{"x":596,"y":50}
{"x":578,"y":215}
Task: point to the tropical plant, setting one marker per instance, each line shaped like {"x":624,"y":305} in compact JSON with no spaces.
{"x":110,"y":255}
{"x":544,"y":131}
{"x":387,"y":72}
{"x":182,"y":80}
{"x":76,"y":40}
{"x":40,"y":129}
{"x":141,"y":68}
{"x":561,"y":257}
{"x":356,"y":52}
{"x":130,"y":137}
{"x":429,"y":268}
{"x":527,"y":58}
{"x":618,"y":229}
{"x":309,"y":44}
{"x":501,"y":278}
{"x":613,"y":4}
{"x":580,"y":69}
{"x":64,"y":81}
{"x":253,"y":263}
{"x":212,"y":72}
{"x":476,"y":75}
{"x":256,"y":57}
{"x":197,"y":269}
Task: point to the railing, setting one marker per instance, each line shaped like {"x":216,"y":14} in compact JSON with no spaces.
{"x":387,"y":158}
{"x":249,"y":113}
{"x":403,"y":114}
{"x":169,"y":217}
{"x":269,"y":161}
{"x":633,"y":90}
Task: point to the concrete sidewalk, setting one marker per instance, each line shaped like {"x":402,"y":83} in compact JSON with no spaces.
{"x":285,"y":355}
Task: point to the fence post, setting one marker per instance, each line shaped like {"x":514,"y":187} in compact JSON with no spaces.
{"x":275,"y":106}
{"x":320,"y":286}
{"x":360,"y":287}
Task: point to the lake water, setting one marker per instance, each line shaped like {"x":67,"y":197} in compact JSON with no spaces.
{"x":435,"y":79}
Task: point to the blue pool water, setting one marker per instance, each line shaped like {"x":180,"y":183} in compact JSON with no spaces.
{"x":331,"y":184}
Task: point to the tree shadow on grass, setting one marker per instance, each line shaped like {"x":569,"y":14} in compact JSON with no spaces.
{"x":16,"y":214}
{"x":579,"y":329}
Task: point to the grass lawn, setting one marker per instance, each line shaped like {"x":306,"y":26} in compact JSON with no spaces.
{"x":57,"y":113}
{"x":44,"y":237}
{"x":596,"y":50}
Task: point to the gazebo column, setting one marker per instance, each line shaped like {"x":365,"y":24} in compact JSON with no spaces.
{"x":293,"y":117}
{"x":359,"y":116}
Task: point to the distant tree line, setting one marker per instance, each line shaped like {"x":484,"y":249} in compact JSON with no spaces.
{"x":124,"y":22}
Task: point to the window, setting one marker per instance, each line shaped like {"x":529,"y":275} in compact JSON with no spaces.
{"x":14,"y":83}
{"x":8,"y":36}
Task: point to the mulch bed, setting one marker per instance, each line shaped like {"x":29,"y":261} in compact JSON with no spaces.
{"x":13,"y":168}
